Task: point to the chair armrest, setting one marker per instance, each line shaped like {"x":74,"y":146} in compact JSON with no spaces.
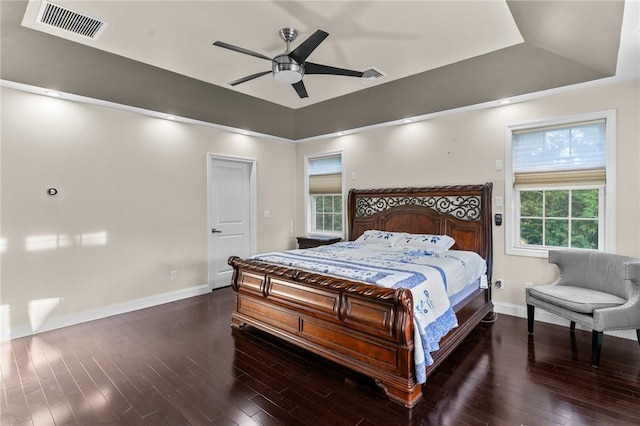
{"x":632,"y":271}
{"x":626,"y":316}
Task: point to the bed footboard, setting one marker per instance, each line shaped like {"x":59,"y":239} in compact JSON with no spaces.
{"x":364,"y":327}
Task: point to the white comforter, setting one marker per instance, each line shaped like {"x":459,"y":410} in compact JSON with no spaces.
{"x":432,"y":276}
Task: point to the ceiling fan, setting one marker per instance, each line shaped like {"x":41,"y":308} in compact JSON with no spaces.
{"x":289,"y":67}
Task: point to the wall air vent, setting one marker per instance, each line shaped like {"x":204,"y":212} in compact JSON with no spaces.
{"x":70,"y":21}
{"x":371,"y":74}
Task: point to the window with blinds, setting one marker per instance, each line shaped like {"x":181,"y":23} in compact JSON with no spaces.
{"x":325,"y":200}
{"x":557,"y":183}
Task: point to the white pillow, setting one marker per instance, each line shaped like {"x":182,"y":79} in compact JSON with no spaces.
{"x":374,"y":236}
{"x":440,"y":242}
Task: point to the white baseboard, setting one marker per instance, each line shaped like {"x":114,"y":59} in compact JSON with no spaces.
{"x":544,"y":316}
{"x":106,"y":311}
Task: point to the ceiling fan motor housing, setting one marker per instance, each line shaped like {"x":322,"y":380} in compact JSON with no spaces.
{"x":286,"y":69}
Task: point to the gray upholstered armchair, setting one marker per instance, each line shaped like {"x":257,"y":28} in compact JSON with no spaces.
{"x":598,"y":290}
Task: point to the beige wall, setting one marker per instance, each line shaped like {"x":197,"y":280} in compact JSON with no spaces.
{"x":131,"y":205}
{"x":461,"y":148}
{"x":135,"y":187}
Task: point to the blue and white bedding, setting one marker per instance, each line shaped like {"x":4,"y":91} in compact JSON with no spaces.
{"x":431,"y":275}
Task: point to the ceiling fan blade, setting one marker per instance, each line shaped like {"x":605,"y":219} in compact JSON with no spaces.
{"x":241,"y":50}
{"x":249,"y":77}
{"x":302,"y":52}
{"x":311,"y":68}
{"x":302,"y":91}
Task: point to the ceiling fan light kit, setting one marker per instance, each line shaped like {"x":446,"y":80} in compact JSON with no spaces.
{"x":290,"y":67}
{"x":287,"y":70}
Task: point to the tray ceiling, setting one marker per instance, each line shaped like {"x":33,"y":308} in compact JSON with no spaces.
{"x":435,"y":56}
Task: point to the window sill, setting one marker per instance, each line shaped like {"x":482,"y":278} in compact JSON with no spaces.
{"x":325,"y":234}
{"x":541,"y":252}
{"x":528,"y":252}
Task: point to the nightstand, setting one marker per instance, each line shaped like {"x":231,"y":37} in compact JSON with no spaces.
{"x":310,"y":241}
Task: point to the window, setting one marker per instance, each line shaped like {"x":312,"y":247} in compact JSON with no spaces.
{"x":325,"y":201}
{"x":560,"y":217}
{"x":559,"y":184}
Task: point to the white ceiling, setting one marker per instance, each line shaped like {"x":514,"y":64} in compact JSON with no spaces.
{"x":399,"y":38}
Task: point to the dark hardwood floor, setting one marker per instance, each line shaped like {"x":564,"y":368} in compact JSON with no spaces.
{"x":181,"y":363}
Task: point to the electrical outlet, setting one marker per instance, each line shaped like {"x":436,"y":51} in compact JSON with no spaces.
{"x":173,"y":275}
{"x":499,"y":284}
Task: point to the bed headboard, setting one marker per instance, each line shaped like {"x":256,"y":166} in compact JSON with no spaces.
{"x":462,"y":212}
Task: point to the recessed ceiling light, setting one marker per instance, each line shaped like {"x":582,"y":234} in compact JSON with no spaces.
{"x":339,"y":134}
{"x":407,"y":120}
{"x":52,"y":94}
{"x":245,"y":132}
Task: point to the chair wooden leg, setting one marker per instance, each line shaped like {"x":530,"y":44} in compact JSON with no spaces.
{"x":530,"y":315}
{"x":572,"y":326}
{"x":596,"y":346}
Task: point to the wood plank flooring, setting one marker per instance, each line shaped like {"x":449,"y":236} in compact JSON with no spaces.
{"x":182,"y":364}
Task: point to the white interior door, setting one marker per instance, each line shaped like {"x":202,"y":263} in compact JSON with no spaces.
{"x":231,"y":186}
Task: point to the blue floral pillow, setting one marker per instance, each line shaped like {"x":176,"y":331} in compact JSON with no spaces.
{"x":379,"y":237}
{"x":440,"y":242}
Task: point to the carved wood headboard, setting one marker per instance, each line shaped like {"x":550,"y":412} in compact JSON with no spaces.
{"x":462,"y":212}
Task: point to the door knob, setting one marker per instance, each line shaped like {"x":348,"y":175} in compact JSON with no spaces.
{"x":215,"y":231}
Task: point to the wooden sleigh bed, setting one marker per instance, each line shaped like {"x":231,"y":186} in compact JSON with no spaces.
{"x":362,"y":326}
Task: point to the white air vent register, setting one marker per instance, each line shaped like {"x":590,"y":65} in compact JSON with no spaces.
{"x":70,"y":21}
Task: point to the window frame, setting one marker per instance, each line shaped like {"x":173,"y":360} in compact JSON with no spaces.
{"x":606,"y":214}
{"x":309,"y":202}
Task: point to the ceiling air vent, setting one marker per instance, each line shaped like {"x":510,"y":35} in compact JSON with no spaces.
{"x":70,"y":21}
{"x":370,"y":75}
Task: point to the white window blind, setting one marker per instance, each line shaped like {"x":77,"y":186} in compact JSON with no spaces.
{"x":573,"y":153}
{"x":325,"y":175}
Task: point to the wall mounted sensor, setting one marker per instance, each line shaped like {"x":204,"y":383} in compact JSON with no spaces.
{"x":498,"y":219}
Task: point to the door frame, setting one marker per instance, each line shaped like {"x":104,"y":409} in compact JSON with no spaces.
{"x":253,"y":203}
